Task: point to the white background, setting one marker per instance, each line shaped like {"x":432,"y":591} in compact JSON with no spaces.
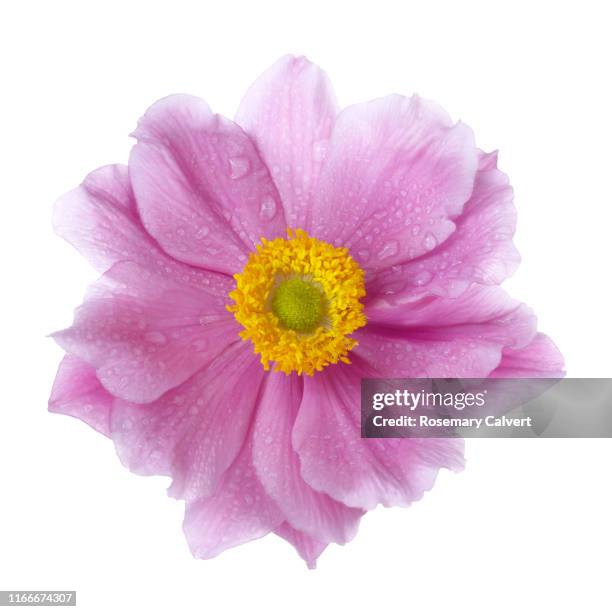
{"x":527,"y":525}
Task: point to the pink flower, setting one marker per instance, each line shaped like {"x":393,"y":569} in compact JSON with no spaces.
{"x":400,"y":233}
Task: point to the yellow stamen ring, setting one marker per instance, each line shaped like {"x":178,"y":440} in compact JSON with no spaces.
{"x":298,"y":300}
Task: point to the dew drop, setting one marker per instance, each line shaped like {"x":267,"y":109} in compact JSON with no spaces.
{"x":390,"y":249}
{"x":429,"y":242}
{"x":155,"y":337}
{"x":267,"y":208}
{"x":239,"y":167}
{"x":205,"y":319}
{"x":200,"y":345}
{"x":364,"y":255}
{"x":319,"y":150}
{"x":202,"y":233}
{"x":422,"y":278}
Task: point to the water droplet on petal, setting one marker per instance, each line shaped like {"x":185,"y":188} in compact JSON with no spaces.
{"x":200,"y":345}
{"x":429,"y":242}
{"x":422,"y":278}
{"x":364,"y":255}
{"x":202,"y":232}
{"x":319,"y":150}
{"x":390,"y":249}
{"x":155,"y":337}
{"x":267,"y":208}
{"x":239,"y":167}
{"x":205,"y":319}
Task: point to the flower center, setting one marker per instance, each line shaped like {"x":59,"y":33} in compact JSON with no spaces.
{"x":298,"y":304}
{"x":298,"y":299}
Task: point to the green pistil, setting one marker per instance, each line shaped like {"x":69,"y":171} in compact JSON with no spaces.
{"x":298,"y":304}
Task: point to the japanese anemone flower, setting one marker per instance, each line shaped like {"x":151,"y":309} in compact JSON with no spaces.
{"x":255,"y":271}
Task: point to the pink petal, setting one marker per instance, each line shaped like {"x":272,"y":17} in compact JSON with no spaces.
{"x":77,"y":392}
{"x":145,"y":333}
{"x":194,"y":432}
{"x":238,"y":512}
{"x":412,"y":354}
{"x":446,"y":337}
{"x":202,"y":190}
{"x":289,"y":111}
{"x":100,"y":219}
{"x":396,"y":174}
{"x":479,"y":315}
{"x":539,"y":359}
{"x":480,"y":250}
{"x":308,"y":548}
{"x":355,"y":471}
{"x":278,"y":467}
